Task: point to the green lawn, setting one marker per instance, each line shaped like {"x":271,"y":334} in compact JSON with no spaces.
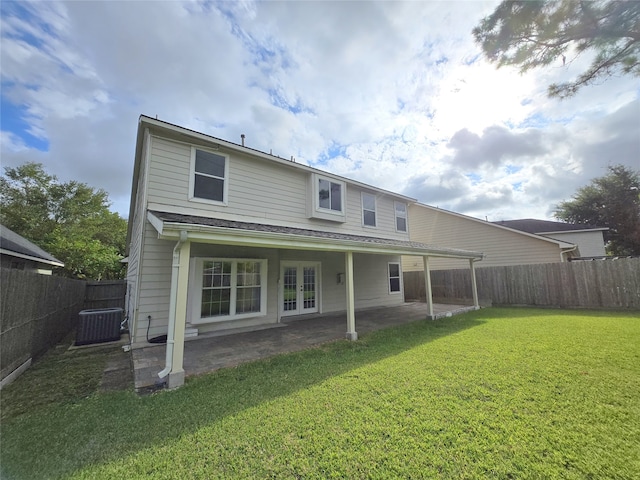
{"x":497,"y":393}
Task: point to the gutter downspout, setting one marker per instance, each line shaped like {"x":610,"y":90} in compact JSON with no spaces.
{"x":563,"y":254}
{"x":474,"y":284}
{"x":175,"y":267}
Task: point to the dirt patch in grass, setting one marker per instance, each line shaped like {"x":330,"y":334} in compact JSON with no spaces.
{"x":67,"y":375}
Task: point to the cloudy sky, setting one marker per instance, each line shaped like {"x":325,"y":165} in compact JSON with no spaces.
{"x":392,"y":94}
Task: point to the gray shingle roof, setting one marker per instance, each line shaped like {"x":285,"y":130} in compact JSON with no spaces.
{"x":10,"y":241}
{"x":531,"y":225}
{"x":259,"y":227}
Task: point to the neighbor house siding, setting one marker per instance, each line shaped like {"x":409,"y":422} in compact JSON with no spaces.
{"x":500,"y":246}
{"x":258,"y":191}
{"x":590,"y":244}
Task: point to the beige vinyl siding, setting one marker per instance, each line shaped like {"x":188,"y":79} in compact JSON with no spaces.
{"x":155,"y":286}
{"x":136,"y":243}
{"x":500,"y":246}
{"x":590,"y":244}
{"x":259,"y":191}
{"x":371,"y":281}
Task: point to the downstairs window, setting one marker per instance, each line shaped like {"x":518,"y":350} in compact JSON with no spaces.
{"x":395,"y":282}
{"x":228,"y":289}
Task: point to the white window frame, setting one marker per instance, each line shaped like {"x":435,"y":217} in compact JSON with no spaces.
{"x":195,"y":290}
{"x":316,"y":211}
{"x":193,"y":173}
{"x":405,"y":216}
{"x":389,"y":277}
{"x":375,"y":210}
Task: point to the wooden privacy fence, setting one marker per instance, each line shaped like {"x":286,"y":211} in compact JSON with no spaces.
{"x":105,"y":294}
{"x":36,"y":312}
{"x":590,"y":284}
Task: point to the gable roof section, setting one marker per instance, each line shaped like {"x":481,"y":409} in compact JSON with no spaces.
{"x":560,"y":243}
{"x":203,"y":229}
{"x":531,"y":225}
{"x":17,"y":246}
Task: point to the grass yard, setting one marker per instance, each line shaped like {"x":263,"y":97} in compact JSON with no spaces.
{"x":497,"y":393}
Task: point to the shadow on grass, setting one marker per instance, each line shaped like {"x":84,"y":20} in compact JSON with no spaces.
{"x":56,"y":441}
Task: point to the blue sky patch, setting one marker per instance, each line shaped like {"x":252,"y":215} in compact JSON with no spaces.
{"x":511,"y":169}
{"x":470,"y":60}
{"x":13,"y":120}
{"x":474,"y":177}
{"x":335,"y":150}
{"x":536,"y":120}
{"x":278,"y":100}
{"x":18,"y":9}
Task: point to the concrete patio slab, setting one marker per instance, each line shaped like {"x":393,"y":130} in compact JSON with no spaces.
{"x":208,"y":353}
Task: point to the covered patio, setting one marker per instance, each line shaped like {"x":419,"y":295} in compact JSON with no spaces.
{"x":199,"y":237}
{"x":208,"y":353}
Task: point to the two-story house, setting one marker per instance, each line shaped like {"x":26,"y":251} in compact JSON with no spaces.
{"x":222,"y":236}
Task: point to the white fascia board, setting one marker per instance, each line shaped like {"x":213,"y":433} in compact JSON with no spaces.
{"x":208,"y":139}
{"x":156,"y":222}
{"x":560,"y":243}
{"x":31,"y":258}
{"x":560,"y":232}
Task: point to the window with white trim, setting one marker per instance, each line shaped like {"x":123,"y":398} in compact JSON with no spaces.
{"x":327,"y":199}
{"x":395,"y":282}
{"x":209,"y":176}
{"x":228,"y":288}
{"x":368,"y":209}
{"x":401,"y":216}
{"x":330,"y":195}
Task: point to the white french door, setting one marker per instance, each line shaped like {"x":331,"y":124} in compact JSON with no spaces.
{"x":299,"y":294}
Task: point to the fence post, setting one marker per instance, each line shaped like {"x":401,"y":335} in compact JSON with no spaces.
{"x":474,"y":286}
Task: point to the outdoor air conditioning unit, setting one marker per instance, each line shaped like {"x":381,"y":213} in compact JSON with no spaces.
{"x":99,"y":325}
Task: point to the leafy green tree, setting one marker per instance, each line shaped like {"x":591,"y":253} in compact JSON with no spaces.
{"x":537,"y":33}
{"x":70,"y":220}
{"x":610,"y":201}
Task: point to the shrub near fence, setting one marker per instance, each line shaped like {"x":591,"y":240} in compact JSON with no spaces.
{"x":36,"y":312}
{"x":586,"y":284}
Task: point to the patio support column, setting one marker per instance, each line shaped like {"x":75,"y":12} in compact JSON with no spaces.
{"x":351,"y":312}
{"x":176,"y":376}
{"x":427,"y":287}
{"x":474,"y":286}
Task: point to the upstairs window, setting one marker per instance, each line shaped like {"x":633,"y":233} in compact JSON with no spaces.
{"x":209,"y":176}
{"x":326,"y":198}
{"x":401,"y":216}
{"x":330,"y":195}
{"x":368,"y":209}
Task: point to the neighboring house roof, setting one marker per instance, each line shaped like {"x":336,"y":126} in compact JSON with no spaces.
{"x":17,"y":246}
{"x":171,"y":224}
{"x":539,"y":227}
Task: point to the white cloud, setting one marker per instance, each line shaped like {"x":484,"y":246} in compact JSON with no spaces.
{"x":394,"y":94}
